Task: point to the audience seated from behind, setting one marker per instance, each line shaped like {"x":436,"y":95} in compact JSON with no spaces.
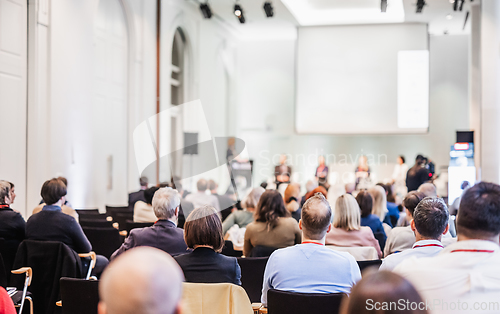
{"x":243,"y":217}
{"x":383,"y":292}
{"x":273,"y":226}
{"x":403,"y":238}
{"x":225,"y":202}
{"x":430,"y":222}
{"x":319,"y":189}
{"x":201,"y":198}
{"x":468,"y":269}
{"x":164,"y":234}
{"x":393,"y":210}
{"x":12,"y":224}
{"x":134,"y":197}
{"x":291,"y":199}
{"x":365,"y":202}
{"x":203,"y":234}
{"x":380,"y":204}
{"x":141,"y":281}
{"x":310,"y":185}
{"x":65,"y":207}
{"x":51,"y":224}
{"x":143,"y":211}
{"x":430,"y":190}
{"x":310,"y":267}
{"x":346,"y":228}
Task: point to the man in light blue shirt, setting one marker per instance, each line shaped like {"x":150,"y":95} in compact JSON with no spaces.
{"x":310,"y":267}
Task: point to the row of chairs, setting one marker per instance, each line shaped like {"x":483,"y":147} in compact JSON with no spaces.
{"x":106,"y":232}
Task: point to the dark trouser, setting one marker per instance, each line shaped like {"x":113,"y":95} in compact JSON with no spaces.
{"x":100,"y":265}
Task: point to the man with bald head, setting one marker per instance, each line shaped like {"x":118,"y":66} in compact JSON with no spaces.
{"x":310,"y":267}
{"x":429,"y":189}
{"x":143,"y":280}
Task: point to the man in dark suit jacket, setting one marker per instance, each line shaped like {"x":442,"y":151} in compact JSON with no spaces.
{"x":164,"y":234}
{"x":139,"y":195}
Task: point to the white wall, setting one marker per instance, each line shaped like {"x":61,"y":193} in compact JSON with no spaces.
{"x":266,"y":111}
{"x":68,"y":134}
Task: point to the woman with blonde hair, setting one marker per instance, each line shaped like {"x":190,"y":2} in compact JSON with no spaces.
{"x":380,"y":204}
{"x":291,"y":198}
{"x":243,"y":217}
{"x":346,"y":227}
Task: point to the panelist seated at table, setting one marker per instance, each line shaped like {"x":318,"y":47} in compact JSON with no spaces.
{"x":282,"y":172}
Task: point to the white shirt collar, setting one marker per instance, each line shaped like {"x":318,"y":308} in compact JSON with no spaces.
{"x":427,"y":243}
{"x":472,"y":245}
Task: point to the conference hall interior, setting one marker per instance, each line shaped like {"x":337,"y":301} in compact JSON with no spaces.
{"x":249,"y":156}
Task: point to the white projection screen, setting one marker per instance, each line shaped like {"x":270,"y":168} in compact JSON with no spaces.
{"x":362,"y":79}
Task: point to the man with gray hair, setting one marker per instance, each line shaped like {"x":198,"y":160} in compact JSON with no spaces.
{"x":141,"y":281}
{"x":310,"y":267}
{"x":201,"y":197}
{"x":164,"y":234}
{"x":429,"y":223}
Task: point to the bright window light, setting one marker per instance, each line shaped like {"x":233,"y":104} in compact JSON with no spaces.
{"x":338,"y":12}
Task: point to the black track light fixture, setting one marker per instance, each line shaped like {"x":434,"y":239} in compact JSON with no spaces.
{"x":238,"y":11}
{"x":268,"y":8}
{"x":420,"y":5}
{"x":205,"y":10}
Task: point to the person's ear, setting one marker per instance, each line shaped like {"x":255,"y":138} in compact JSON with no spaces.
{"x":329,"y":228}
{"x":101,"y":308}
{"x":176,"y":214}
{"x":446,"y":229}
{"x":412,"y":224}
{"x":300,"y":224}
{"x":178,"y":309}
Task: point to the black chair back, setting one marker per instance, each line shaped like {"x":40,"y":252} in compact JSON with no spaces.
{"x":93,"y":216}
{"x":229,"y":250}
{"x":262,"y":251}
{"x":79,"y":296}
{"x":367,"y":264}
{"x":3,"y":274}
{"x":95,"y":223}
{"x":8,"y":250}
{"x":113,"y":210}
{"x":381,"y":238}
{"x":283,"y":302}
{"x":50,"y":261}
{"x":130,"y":224}
{"x":252,"y":276}
{"x":93,"y":211}
{"x":104,"y":240}
{"x":121,"y":219}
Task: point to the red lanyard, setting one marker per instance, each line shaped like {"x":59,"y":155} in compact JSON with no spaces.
{"x":474,"y":251}
{"x":312,"y":242}
{"x":4,"y":206}
{"x":417,"y":246}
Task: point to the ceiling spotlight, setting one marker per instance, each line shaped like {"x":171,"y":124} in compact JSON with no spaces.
{"x":383,"y":6}
{"x":420,"y":5}
{"x":205,"y":10}
{"x":238,"y":11}
{"x":268,"y":8}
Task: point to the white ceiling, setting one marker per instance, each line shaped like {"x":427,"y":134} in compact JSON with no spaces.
{"x":283,"y":24}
